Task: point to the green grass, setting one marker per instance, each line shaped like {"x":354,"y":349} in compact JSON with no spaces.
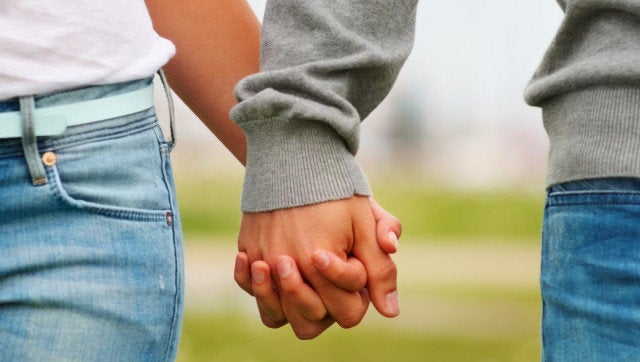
{"x":434,"y":212}
{"x":443,"y":322}
{"x":237,"y":338}
{"x":209,"y":207}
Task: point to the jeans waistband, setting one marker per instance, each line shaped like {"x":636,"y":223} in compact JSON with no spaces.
{"x":94,"y":92}
{"x":31,"y":145}
{"x":12,"y":147}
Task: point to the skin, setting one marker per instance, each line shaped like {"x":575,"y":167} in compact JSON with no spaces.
{"x":217,"y":45}
{"x":253,"y":277}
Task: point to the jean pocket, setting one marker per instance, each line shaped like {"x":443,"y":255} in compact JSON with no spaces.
{"x":124,"y":177}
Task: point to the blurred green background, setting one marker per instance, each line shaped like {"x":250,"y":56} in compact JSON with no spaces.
{"x":210,"y":206}
{"x":468,"y":268}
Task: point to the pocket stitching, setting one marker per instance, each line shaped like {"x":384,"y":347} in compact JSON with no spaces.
{"x":106,"y":210}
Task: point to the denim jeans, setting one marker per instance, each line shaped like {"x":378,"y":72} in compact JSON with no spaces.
{"x":590,"y":276}
{"x":91,"y":261}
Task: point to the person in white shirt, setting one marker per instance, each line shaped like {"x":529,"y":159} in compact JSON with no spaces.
{"x":92,"y":262}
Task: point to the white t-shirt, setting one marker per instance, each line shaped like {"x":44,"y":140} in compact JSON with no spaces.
{"x":50,"y":45}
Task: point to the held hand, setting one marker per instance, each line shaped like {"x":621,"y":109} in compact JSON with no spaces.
{"x":381,"y":270}
{"x":255,"y":279}
{"x":349,"y":275}
{"x":297,"y":233}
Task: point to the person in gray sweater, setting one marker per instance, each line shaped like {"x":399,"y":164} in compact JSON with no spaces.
{"x":587,"y":87}
{"x":326,"y":65}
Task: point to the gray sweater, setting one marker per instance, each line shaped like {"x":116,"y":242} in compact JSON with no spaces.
{"x":588,"y":88}
{"x":326,"y":64}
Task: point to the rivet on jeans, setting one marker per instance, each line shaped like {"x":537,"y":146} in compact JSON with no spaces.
{"x":49,"y":159}
{"x":169,"y":217}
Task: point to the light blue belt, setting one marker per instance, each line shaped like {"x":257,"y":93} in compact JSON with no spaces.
{"x":54,"y":120}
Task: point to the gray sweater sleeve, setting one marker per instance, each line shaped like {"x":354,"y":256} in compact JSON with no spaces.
{"x":325,"y":65}
{"x":588,"y":86}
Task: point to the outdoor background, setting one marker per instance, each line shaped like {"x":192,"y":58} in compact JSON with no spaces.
{"x":454,"y":153}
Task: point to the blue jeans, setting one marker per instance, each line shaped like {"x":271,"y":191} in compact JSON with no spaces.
{"x":91,"y":261}
{"x":590,"y":275}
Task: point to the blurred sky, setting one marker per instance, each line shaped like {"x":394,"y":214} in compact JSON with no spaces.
{"x":476,"y":56}
{"x":464,"y":82}
{"x":471,"y":59}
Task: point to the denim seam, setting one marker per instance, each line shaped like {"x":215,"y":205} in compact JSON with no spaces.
{"x":575,"y":198}
{"x":561,"y":203}
{"x":594,"y":192}
{"x":544,"y":237}
{"x":164,"y":155}
{"x":112,"y":211}
{"x":103,"y":134}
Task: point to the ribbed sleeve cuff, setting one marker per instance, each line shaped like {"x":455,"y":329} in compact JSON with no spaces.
{"x":294,"y":163}
{"x":593,"y":133}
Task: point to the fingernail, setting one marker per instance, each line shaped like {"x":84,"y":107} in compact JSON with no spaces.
{"x":394,"y":238}
{"x":284,"y":268}
{"x":393,"y":305}
{"x":257,"y":275}
{"x":239,"y":264}
{"x":321,"y":259}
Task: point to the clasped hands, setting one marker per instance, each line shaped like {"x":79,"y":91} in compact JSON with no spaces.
{"x":315,"y":265}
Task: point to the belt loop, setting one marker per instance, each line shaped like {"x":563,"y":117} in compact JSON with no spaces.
{"x":172,"y":115}
{"x":30,"y":143}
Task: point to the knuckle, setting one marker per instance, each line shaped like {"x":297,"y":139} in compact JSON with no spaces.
{"x":271,"y":323}
{"x":288,"y":289}
{"x":353,"y":282}
{"x":306,"y":333}
{"x":244,"y":286}
{"x":316,"y":314}
{"x":350,"y":321}
{"x":291,"y":286}
{"x":352,"y":316}
{"x":352,"y":278}
{"x":238,"y":278}
{"x":270,"y":319}
{"x":388,"y":271}
{"x":360,"y":282}
{"x":305,"y":330}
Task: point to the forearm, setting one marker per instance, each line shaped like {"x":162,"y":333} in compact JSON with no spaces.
{"x":217,"y":44}
{"x":325,"y":66}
